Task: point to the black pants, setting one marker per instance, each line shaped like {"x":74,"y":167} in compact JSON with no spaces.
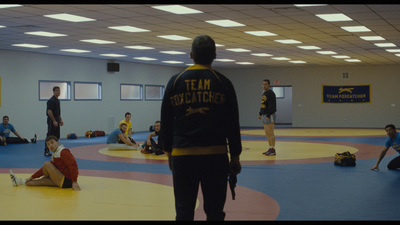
{"x":394,"y":163}
{"x":14,"y":140}
{"x":211,"y":172}
{"x":52,"y":130}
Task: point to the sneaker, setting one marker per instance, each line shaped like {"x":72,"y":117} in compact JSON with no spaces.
{"x":15,"y":180}
{"x":270,"y":152}
{"x":33,"y":140}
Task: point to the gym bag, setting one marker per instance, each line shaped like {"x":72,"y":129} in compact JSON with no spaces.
{"x":345,"y":159}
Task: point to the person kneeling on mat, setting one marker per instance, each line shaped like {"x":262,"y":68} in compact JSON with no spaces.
{"x":61,"y":171}
{"x":393,"y":141}
{"x":118,"y":141}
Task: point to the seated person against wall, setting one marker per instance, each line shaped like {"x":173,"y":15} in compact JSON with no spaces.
{"x":5,"y":130}
{"x":151,"y":146}
{"x":128,"y":133}
{"x":117,"y":136}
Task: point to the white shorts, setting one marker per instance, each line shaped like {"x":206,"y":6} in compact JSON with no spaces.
{"x":271,"y":119}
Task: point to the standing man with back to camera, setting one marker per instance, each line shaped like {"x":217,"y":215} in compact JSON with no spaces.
{"x":54,"y":120}
{"x":200,"y":114}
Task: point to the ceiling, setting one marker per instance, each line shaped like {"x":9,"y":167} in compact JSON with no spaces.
{"x":286,"y":21}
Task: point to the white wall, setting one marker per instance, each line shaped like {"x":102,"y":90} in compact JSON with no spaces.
{"x":307,"y":84}
{"x":21,"y":71}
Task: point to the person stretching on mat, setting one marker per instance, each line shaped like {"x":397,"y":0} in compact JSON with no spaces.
{"x":61,"y":171}
{"x":267,"y":116}
{"x":117,"y":140}
{"x":394,"y":142}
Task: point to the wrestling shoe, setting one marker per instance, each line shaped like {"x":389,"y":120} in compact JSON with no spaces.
{"x":15,"y":180}
{"x":270,"y":152}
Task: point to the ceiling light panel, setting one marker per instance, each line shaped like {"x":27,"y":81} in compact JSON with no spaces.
{"x":75,"y":50}
{"x":45,"y":34}
{"x":173,"y":52}
{"x":69,"y":17}
{"x":309,"y":47}
{"x":260,"y":33}
{"x":174,"y":37}
{"x":98,"y":41}
{"x":385,"y":45}
{"x":238,"y":50}
{"x":145,"y":58}
{"x":289,"y":41}
{"x":177,"y":9}
{"x":30,"y":46}
{"x":139,"y":47}
{"x":334,"y":17}
{"x":355,"y":28}
{"x":129,"y":29}
{"x":113,"y":55}
{"x":225,"y":23}
{"x":372,"y":38}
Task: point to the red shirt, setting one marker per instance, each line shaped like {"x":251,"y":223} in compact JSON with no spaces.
{"x":64,"y":161}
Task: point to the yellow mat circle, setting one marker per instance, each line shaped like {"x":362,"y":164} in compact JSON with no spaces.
{"x":136,"y":154}
{"x":100,"y":199}
{"x":318,"y":132}
{"x":252,"y":150}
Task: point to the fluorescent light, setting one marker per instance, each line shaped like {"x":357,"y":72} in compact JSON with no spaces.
{"x":145,"y":58}
{"x":177,"y":9}
{"x":309,"y":47}
{"x":174,"y":37}
{"x":172,"y":62}
{"x":225,"y":23}
{"x":352,"y":60}
{"x":334,"y":17}
{"x":341,"y":56}
{"x":30,"y":46}
{"x":326,"y":52}
{"x":383,"y":45}
{"x":45,"y":34}
{"x":129,"y":29}
{"x":309,"y":5}
{"x":173,"y":52}
{"x":393,"y":50}
{"x":372,"y":38}
{"x":97,"y":41}
{"x":219,"y":45}
{"x":245,"y":63}
{"x":2,"y":26}
{"x":139,"y":47}
{"x":288,"y":41}
{"x":297,"y":61}
{"x":397,"y":55}
{"x":356,"y":28}
{"x":3,"y":6}
{"x":69,"y":17}
{"x":74,"y":50}
{"x":260,"y":33}
{"x":261,"y":54}
{"x":224,"y":60}
{"x":238,"y":50}
{"x":280,"y":58}
{"x":113,"y":55}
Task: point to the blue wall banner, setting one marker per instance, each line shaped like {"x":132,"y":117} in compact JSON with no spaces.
{"x":346,"y":94}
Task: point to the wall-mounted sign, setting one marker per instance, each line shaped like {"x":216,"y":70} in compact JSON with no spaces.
{"x":346,"y":93}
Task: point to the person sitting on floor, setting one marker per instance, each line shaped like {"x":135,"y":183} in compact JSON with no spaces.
{"x":61,"y":171}
{"x":6,"y":128}
{"x":151,"y":146}
{"x":117,"y":140}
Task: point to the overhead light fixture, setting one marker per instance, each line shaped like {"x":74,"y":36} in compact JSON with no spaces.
{"x":98,"y":41}
{"x":245,"y":63}
{"x":173,"y":52}
{"x":309,"y":5}
{"x":129,"y":29}
{"x":113,"y":55}
{"x":172,"y":62}
{"x":224,"y":60}
{"x":297,"y":61}
{"x":69,"y":17}
{"x":372,"y":38}
{"x":30,"y":45}
{"x":261,"y":54}
{"x":45,"y":34}
{"x":356,"y":29}
{"x":309,"y":47}
{"x":385,"y":45}
{"x":2,"y":26}
{"x":393,"y":50}
{"x":260,"y":33}
{"x":288,"y":41}
{"x":341,"y":56}
{"x":177,"y":9}
{"x":139,"y":47}
{"x":219,"y":45}
{"x":4,"y":6}
{"x":280,"y":58}
{"x":174,"y":37}
{"x":334,"y":17}
{"x":225,"y":23}
{"x":326,"y":52}
{"x":75,"y":50}
{"x":397,"y":55}
{"x":352,"y":60}
{"x":238,"y":50}
{"x":145,"y":58}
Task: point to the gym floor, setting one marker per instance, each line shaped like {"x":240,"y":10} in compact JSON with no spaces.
{"x":300,"y":183}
